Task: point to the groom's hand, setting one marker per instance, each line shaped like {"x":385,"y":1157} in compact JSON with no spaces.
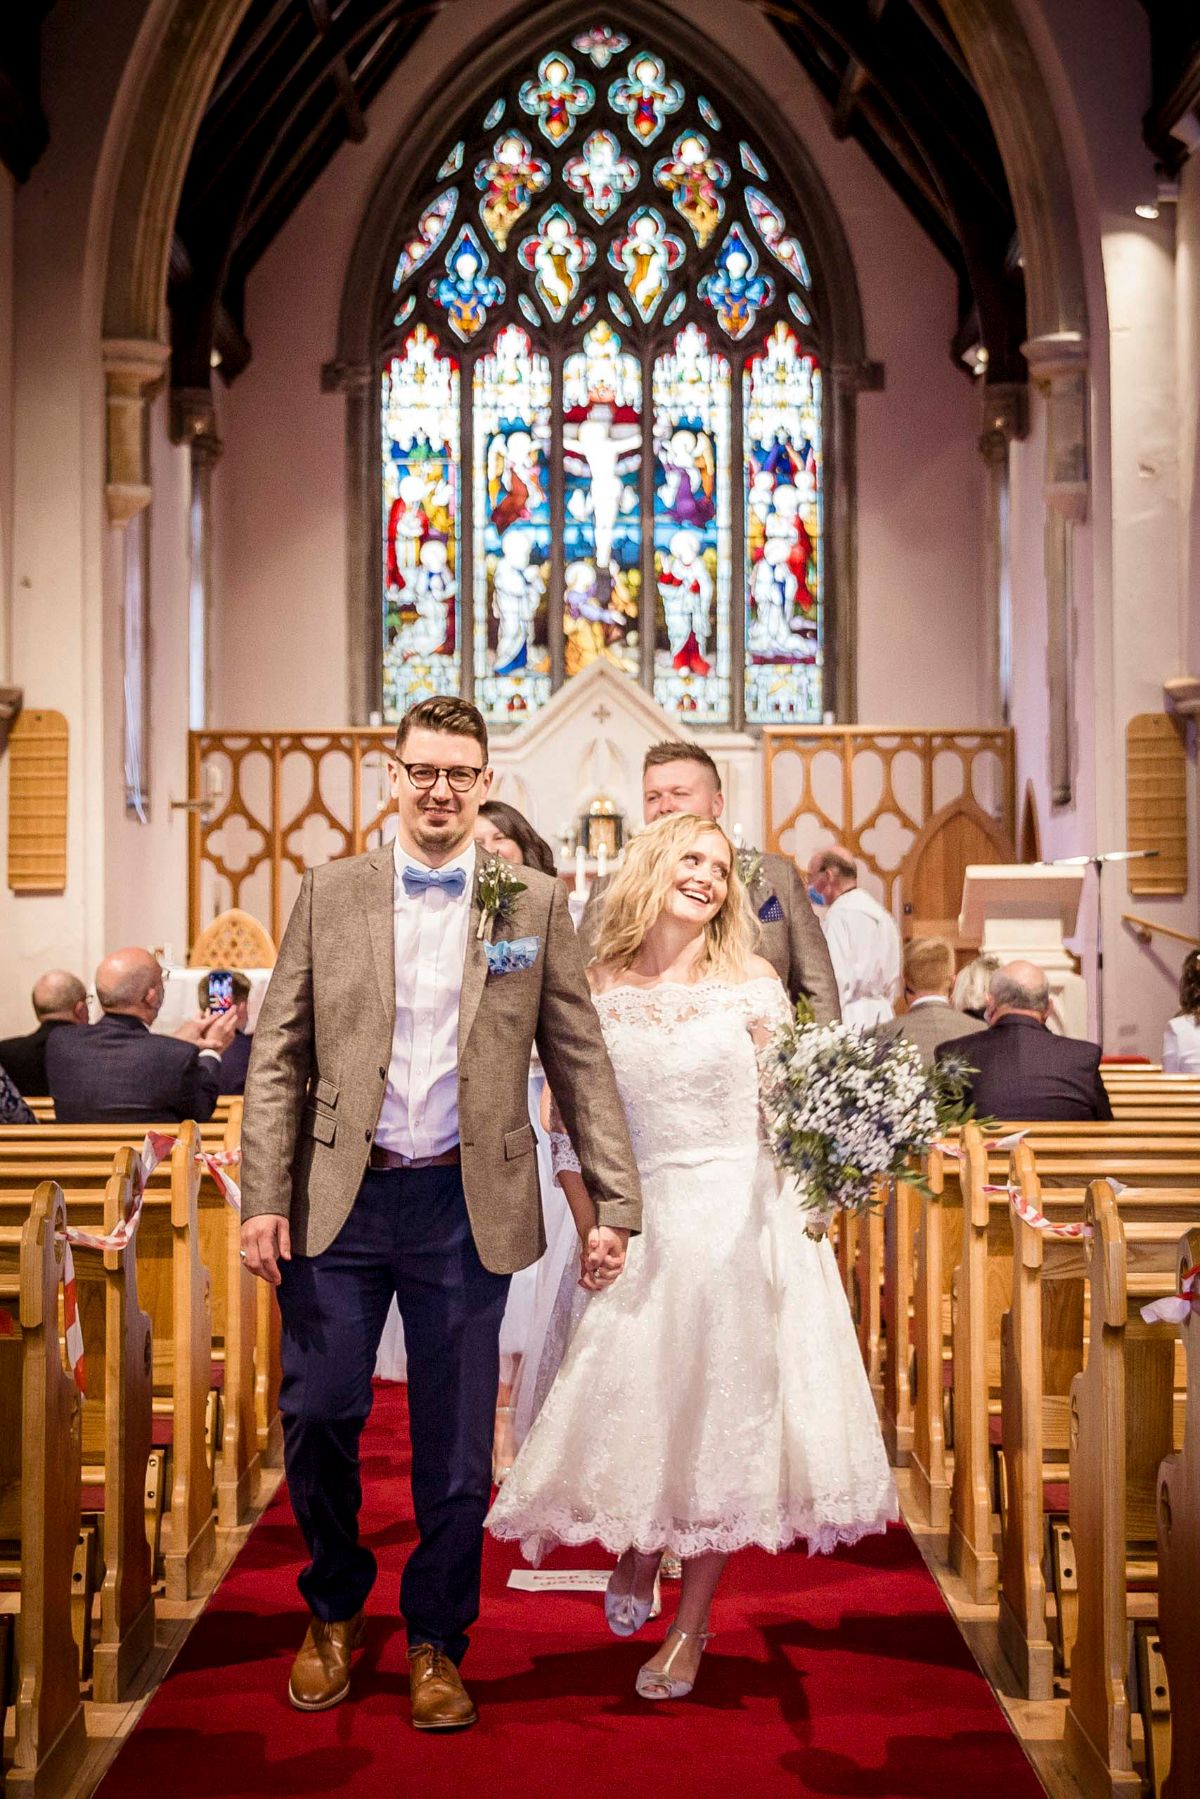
{"x":603,"y":1257}
{"x":266,"y":1241}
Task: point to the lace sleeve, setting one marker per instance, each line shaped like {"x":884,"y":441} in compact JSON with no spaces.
{"x":563,"y":1159}
{"x":767,"y":1005}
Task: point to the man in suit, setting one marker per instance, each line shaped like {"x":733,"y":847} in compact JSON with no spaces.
{"x":1023,"y":1071}
{"x":930,"y":1019}
{"x":59,"y":999}
{"x":387,"y":1149}
{"x":119,"y":1071}
{"x":236,"y":1059}
{"x":682,"y":777}
{"x":863,"y":942}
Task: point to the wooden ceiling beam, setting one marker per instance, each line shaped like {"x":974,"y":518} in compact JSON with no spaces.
{"x":853,"y":82}
{"x":356,"y":124}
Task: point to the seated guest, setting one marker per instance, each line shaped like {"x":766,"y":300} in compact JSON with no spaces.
{"x":59,"y":998}
{"x":118,"y":1070}
{"x":13,"y":1109}
{"x":930,"y":1019}
{"x":969,"y":993}
{"x":503,"y":831}
{"x":236,"y":1058}
{"x":1022,"y":1070}
{"x":1181,"y":1039}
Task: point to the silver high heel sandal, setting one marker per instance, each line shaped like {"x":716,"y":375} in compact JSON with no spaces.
{"x":625,"y":1612}
{"x":656,"y":1683}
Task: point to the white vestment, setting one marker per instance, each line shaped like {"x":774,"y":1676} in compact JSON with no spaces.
{"x":864,"y":947}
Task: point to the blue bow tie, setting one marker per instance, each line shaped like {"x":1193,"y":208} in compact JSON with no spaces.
{"x":416,"y":880}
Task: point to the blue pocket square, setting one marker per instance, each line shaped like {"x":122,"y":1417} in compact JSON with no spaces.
{"x":507,"y":958}
{"x":770,"y":912}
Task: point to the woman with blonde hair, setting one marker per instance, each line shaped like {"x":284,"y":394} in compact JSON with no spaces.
{"x":713,"y":1396}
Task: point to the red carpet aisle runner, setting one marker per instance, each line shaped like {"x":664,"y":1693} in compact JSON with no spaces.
{"x":839,"y":1675}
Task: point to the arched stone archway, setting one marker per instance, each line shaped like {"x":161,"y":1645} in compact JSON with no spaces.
{"x":807,"y":202}
{"x":192,"y":37}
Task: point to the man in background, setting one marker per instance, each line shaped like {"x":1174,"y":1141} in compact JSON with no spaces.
{"x":120,"y":1071}
{"x":1024,"y":1071}
{"x":864,"y":944}
{"x":930,"y":1019}
{"x":682,"y":777}
{"x":59,"y":999}
{"x":236,"y":1058}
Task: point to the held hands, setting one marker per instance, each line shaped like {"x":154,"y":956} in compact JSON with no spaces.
{"x":266,"y":1241}
{"x":603,"y":1257}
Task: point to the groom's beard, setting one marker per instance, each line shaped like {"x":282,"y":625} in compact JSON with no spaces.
{"x":440,"y":827}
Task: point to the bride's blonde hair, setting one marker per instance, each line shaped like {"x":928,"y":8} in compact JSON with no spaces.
{"x":643,"y":883}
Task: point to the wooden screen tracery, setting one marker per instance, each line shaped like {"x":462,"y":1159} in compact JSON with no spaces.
{"x":875,"y":792}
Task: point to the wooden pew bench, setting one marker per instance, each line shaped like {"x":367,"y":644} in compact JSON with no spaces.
{"x":1123,"y":1409}
{"x":40,"y":1459}
{"x":174,"y":1288}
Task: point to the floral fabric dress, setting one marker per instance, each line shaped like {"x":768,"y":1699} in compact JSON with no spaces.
{"x":714,"y":1396}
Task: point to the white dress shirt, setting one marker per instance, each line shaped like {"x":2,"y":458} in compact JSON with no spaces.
{"x":419,"y":1117}
{"x":864,"y":947}
{"x":1181,"y":1046}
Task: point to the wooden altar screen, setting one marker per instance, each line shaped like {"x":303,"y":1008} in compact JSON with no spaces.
{"x":267,"y":804}
{"x":913,"y":806}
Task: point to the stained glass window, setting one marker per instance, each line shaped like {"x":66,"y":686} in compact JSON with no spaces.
{"x":421,"y":624}
{"x":601,"y":416}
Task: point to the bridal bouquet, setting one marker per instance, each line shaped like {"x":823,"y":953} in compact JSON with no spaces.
{"x":845,"y":1110}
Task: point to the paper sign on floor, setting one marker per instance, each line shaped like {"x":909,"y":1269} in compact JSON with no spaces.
{"x":559,"y":1580}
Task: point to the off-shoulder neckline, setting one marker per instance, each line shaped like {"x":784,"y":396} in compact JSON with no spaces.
{"x":755,"y":980}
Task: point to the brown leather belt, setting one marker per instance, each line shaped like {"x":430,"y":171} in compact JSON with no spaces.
{"x":391,"y":1158}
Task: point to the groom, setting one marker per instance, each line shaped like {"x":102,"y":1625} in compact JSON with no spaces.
{"x":386,"y":1148}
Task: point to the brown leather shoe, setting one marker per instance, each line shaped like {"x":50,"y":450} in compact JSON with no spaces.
{"x":321,"y":1671}
{"x":439,"y":1699}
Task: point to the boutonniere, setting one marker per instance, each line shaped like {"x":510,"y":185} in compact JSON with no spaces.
{"x":497,"y":887}
{"x":749,"y":864}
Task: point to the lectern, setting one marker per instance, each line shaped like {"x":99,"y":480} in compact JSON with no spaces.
{"x":1023,"y":913}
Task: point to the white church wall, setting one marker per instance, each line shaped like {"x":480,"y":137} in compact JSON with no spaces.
{"x":1128,"y":555}
{"x":8,"y":204}
{"x":280,"y":505}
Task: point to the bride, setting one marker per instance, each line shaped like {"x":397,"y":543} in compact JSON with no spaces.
{"x":714,"y":1396}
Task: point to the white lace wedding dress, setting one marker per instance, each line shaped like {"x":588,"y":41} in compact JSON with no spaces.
{"x":714,"y":1396}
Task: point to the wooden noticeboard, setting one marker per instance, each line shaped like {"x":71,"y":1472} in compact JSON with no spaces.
{"x":1156,"y":805}
{"x":37,"y":803}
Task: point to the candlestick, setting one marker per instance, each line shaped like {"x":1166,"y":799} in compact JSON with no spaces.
{"x":580,"y":870}
{"x":737,"y":836}
{"x":601,"y":861}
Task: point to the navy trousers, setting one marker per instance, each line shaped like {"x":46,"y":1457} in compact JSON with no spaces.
{"x":408,"y":1234}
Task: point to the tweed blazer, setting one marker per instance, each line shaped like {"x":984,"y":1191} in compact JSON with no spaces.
{"x":791,"y":938}
{"x":323,"y":1042}
{"x":929,"y":1024}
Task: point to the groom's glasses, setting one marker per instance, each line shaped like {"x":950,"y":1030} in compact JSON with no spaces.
{"x":424,"y":775}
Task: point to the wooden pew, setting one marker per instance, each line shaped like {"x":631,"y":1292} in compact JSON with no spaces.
{"x":972,"y":1554}
{"x":1179,"y":1559}
{"x":124,"y":1366}
{"x":235,"y":1322}
{"x":1122,"y":1427}
{"x":930,"y":1475}
{"x":899,"y":1248}
{"x":175,"y":1290}
{"x":40,"y":1442}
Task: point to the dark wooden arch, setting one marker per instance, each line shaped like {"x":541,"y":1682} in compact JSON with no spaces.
{"x":799,"y":189}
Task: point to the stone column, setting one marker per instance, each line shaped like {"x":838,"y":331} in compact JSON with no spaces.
{"x":194,"y":423}
{"x":364,"y":611}
{"x":133,"y":372}
{"x":1005,"y":416}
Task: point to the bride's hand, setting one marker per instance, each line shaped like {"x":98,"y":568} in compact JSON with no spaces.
{"x":603,"y":1257}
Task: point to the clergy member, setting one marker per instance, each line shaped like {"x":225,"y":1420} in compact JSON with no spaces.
{"x":863,"y":942}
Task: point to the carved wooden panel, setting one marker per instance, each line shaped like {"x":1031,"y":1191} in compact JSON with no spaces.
{"x":279,"y":802}
{"x":1156,"y":804}
{"x":931,"y":875}
{"x":875,"y":791}
{"x":37,"y":803}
